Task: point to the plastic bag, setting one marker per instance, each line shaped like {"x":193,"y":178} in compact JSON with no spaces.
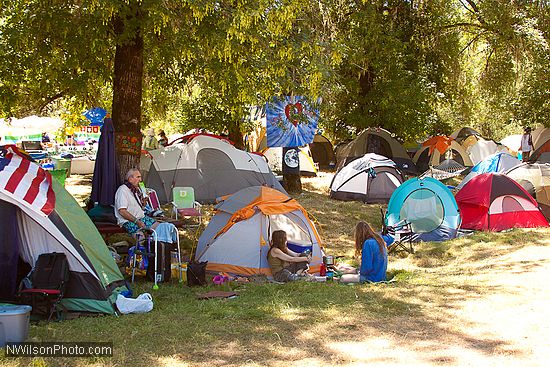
{"x":143,"y":303}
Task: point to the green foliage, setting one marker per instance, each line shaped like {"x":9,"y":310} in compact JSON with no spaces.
{"x":414,"y":68}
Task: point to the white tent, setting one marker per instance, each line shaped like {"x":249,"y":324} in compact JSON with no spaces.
{"x":484,"y":148}
{"x":513,"y":142}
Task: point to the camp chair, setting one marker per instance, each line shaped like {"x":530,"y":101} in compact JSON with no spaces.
{"x":154,"y":203}
{"x":402,"y":234}
{"x":48,"y":281}
{"x":184,"y":204}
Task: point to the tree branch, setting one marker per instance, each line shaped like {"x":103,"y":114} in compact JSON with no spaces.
{"x":50,"y":100}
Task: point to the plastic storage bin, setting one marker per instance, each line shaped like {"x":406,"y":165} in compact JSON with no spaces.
{"x":14,"y":323}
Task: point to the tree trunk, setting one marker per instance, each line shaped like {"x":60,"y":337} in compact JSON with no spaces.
{"x":127,"y":90}
{"x":292,"y":183}
{"x":235,"y":135}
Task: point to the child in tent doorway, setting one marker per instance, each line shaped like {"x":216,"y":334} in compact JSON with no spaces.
{"x":374,"y":255}
{"x":286,"y":265}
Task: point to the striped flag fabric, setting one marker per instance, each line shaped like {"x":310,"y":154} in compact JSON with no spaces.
{"x":26,"y":180}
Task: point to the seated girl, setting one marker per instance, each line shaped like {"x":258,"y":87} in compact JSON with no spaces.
{"x":286,"y":265}
{"x":374,"y":255}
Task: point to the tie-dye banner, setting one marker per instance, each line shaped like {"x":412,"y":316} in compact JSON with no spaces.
{"x":290,"y":122}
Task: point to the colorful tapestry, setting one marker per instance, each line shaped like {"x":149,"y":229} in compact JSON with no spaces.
{"x":128,"y":143}
{"x":290,"y":122}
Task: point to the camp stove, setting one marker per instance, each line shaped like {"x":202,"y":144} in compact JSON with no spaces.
{"x":329,"y":266}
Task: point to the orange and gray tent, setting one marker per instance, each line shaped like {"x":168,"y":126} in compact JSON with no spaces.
{"x":371,"y":179}
{"x":535,"y":179}
{"x":438,"y":148}
{"x":322,"y":152}
{"x":379,"y":141}
{"x":237,"y":239}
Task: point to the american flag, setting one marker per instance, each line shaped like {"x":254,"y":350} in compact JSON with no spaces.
{"x":26,"y":180}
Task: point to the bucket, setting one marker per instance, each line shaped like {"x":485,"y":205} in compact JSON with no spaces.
{"x":14,"y":323}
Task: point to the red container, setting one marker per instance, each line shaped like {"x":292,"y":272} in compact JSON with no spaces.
{"x":322,"y":270}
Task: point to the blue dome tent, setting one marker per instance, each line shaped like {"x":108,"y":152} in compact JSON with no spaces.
{"x":429,"y":207}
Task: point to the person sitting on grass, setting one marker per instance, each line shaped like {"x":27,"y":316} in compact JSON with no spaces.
{"x":374,"y":255}
{"x":286,"y":265}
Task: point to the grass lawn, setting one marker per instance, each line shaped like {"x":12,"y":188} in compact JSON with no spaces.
{"x":477,"y":300}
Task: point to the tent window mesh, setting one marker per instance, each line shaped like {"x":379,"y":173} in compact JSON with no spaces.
{"x":424,"y":210}
{"x":510,"y":204}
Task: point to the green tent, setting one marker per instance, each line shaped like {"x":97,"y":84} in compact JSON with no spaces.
{"x":40,"y":216}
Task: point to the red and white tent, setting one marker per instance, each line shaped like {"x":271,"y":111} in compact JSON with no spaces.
{"x":496,"y":202}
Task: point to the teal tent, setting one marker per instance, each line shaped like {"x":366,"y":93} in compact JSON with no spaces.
{"x":429,"y":207}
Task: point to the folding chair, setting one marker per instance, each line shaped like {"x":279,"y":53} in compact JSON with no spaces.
{"x":184,"y":204}
{"x":154,"y":203}
{"x":403,"y":238}
{"x":49,"y":279}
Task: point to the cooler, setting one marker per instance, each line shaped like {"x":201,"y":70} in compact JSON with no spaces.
{"x":298,"y":247}
{"x":14,"y":323}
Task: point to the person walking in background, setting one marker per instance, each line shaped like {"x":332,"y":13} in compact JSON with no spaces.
{"x":150,"y":142}
{"x":163,"y":141}
{"x":526,"y":144}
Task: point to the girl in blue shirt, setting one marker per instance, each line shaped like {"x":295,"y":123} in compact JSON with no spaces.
{"x":374,"y":255}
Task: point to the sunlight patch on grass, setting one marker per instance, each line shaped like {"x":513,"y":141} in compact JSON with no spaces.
{"x":171,"y":361}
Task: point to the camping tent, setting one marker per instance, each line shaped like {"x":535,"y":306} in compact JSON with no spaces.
{"x":371,"y":178}
{"x":322,"y":152}
{"x":495,"y":202}
{"x":274,"y":158}
{"x":433,"y":154}
{"x":482,"y":149}
{"x":237,"y":238}
{"x":40,"y":216}
{"x":535,"y":179}
{"x":379,"y":141}
{"x":500,"y":162}
{"x":429,"y":207}
{"x":541,"y":142}
{"x":463,"y":133}
{"x":512,"y":142}
{"x":212,"y":166}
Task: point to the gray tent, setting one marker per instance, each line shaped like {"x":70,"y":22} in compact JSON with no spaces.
{"x":212,"y":166}
{"x":372,"y":178}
